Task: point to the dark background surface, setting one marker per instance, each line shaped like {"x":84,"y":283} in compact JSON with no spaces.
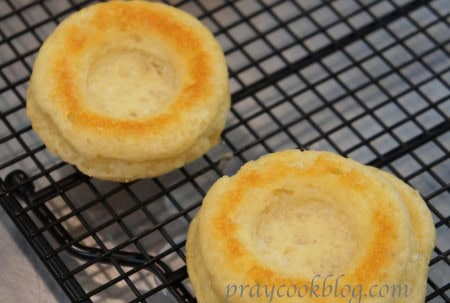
{"x":367,"y":79}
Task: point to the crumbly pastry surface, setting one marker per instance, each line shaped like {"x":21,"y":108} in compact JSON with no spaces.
{"x":127,"y":90}
{"x":291,"y":215}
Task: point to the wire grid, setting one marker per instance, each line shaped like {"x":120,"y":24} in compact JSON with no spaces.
{"x":366,"y":79}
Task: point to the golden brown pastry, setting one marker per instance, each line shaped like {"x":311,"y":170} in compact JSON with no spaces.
{"x":127,"y":90}
{"x":290,"y":219}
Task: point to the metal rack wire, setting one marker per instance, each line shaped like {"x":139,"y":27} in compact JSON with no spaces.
{"x":367,"y":79}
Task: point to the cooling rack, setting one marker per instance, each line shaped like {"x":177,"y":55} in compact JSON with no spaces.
{"x":367,"y":79}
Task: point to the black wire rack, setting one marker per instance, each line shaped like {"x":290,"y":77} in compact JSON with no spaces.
{"x":367,"y":79}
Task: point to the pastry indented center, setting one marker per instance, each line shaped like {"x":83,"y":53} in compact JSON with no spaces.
{"x":308,"y":237}
{"x":130,"y":83}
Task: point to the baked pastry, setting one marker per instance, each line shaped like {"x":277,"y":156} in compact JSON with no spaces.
{"x":298,"y":226}
{"x":127,"y":90}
